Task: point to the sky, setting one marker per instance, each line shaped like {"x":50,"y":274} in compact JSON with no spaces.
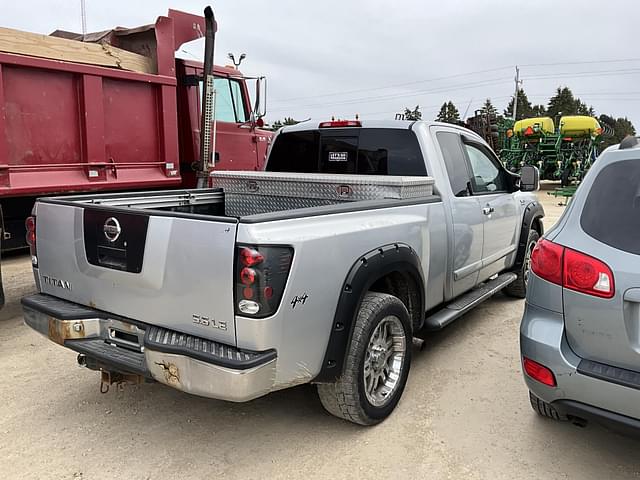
{"x":373,"y":58}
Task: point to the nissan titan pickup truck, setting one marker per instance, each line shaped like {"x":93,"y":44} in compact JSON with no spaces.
{"x":358,"y":237}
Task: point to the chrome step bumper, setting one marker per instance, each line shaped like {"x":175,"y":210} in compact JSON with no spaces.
{"x":190,"y":364}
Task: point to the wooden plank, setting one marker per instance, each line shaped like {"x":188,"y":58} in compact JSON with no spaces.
{"x":44,"y":46}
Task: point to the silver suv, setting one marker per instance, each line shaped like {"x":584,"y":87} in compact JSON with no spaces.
{"x":580,"y":334}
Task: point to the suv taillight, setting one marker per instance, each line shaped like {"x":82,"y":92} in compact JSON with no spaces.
{"x":30,"y":224}
{"x":261,"y":275}
{"x":572,"y":269}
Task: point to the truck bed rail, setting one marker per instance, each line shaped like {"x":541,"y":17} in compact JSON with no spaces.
{"x":151,"y":200}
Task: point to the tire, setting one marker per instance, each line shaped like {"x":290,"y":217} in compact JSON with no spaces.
{"x":518,"y":288}
{"x":544,"y":409}
{"x":565,"y":178}
{"x":351,"y":397}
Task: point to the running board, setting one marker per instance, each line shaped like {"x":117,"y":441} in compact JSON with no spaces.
{"x":466,"y":302}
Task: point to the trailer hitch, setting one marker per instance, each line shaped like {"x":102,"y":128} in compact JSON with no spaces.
{"x":108,"y":378}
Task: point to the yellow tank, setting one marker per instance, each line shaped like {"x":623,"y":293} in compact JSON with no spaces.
{"x":534,"y":126}
{"x":579,"y":126}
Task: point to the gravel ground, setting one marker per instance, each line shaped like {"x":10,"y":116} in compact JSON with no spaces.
{"x":464,"y":414}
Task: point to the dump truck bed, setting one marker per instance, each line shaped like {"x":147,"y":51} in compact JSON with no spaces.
{"x":85,"y":124}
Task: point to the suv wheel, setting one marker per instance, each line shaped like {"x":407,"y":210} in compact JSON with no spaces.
{"x":376,"y":365}
{"x":518,"y":288}
{"x":544,"y":409}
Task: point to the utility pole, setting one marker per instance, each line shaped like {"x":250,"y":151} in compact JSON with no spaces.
{"x":515,"y":96}
{"x":83,"y":13}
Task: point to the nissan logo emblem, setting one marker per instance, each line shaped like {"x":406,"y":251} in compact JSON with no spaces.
{"x":112,"y":229}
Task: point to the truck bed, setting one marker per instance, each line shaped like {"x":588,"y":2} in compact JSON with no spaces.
{"x":251,"y":195}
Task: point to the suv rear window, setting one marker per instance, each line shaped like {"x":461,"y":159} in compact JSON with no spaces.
{"x":367,"y":151}
{"x":611,"y":212}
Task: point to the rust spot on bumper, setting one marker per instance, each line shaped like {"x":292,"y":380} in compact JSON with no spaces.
{"x":171,"y":373}
{"x":61,"y":330}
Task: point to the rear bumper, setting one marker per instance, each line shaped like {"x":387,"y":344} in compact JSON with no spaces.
{"x":592,"y":392}
{"x":190,"y":364}
{"x":620,"y":423}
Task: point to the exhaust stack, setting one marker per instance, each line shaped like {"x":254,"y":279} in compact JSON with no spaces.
{"x":207,"y":144}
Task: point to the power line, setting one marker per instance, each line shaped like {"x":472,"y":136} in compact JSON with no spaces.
{"x":448,"y":77}
{"x":580,"y":62}
{"x":481,"y":83}
{"x":591,"y":73}
{"x":477,"y":72}
{"x":458,"y":75}
{"x":355,"y":101}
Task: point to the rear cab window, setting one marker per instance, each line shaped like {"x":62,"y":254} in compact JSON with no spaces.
{"x":611,"y":212}
{"x":366,"y":151}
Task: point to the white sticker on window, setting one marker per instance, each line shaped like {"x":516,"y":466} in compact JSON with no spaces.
{"x":338,"y":156}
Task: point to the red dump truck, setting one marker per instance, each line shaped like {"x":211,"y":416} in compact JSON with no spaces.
{"x":113,"y":110}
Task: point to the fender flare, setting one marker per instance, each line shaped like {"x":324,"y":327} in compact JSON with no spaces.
{"x":532,"y":212}
{"x":364,"y":272}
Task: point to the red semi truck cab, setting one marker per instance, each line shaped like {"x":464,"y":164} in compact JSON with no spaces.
{"x":112,"y":110}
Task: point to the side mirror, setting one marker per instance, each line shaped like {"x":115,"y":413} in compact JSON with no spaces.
{"x":529,"y":179}
{"x":260,"y":107}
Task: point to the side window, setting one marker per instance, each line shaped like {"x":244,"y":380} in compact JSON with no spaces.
{"x":236,"y":92}
{"x":487,"y":176}
{"x":229,"y":106}
{"x":455,"y":162}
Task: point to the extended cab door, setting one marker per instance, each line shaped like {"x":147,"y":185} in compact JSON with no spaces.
{"x":466,"y":213}
{"x":490,"y":184}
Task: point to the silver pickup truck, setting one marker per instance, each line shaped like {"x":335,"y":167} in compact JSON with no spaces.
{"x":386,"y":231}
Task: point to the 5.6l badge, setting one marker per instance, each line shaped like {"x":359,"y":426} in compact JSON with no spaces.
{"x":209,"y":322}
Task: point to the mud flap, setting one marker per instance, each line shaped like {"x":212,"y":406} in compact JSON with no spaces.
{"x":2,"y":234}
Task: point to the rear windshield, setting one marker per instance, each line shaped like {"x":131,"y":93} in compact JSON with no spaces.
{"x":368,"y":151}
{"x":611,"y":213}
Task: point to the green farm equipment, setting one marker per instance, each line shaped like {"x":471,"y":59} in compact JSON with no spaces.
{"x":564,"y":153}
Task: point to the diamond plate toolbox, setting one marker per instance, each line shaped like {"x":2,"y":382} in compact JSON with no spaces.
{"x":248,"y":193}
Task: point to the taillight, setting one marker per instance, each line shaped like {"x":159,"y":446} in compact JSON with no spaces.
{"x":572,"y":269}
{"x":546,"y":261}
{"x":539,"y":372}
{"x":250,"y":256}
{"x":586,"y":274}
{"x":30,"y":224}
{"x":247,"y":276}
{"x":261,"y":275}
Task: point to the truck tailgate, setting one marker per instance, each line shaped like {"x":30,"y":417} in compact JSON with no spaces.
{"x":162,"y":268}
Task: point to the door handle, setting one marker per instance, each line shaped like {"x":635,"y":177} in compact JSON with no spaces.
{"x":488,"y":210}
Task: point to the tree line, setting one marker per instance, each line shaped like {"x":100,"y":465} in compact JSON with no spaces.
{"x":564,"y":102}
